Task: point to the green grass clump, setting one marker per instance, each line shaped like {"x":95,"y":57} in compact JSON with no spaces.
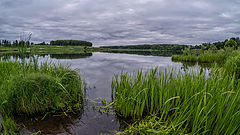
{"x":211,"y":58}
{"x":185,"y":58}
{"x":183,"y":103}
{"x":10,"y":127}
{"x":39,"y":89}
{"x":232,"y":66}
{"x":202,"y":58}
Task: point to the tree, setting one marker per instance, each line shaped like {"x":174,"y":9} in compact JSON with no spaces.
{"x":70,"y":43}
{"x":231,"y":43}
{"x":213,"y":48}
{"x":25,"y":38}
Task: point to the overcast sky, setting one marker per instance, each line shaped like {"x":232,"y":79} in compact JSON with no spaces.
{"x":120,"y":22}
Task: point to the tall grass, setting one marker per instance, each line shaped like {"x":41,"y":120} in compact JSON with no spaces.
{"x":38,"y":89}
{"x":202,"y":58}
{"x":211,"y":58}
{"x":183,"y":103}
{"x":207,"y":57}
{"x":184,"y":58}
{"x":232,"y":66}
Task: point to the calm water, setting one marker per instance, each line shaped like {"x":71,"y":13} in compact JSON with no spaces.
{"x":97,"y":69}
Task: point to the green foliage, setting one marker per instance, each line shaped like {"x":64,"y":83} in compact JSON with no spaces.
{"x":212,"y":57}
{"x":10,"y":127}
{"x":188,"y":103}
{"x":177,"y":49}
{"x":185,"y":58}
{"x":41,"y":89}
{"x":45,"y":87}
{"x":213,"y":48}
{"x":70,"y":43}
{"x":231,"y":43}
{"x":149,"y":125}
{"x":209,"y":56}
{"x":232,"y":66}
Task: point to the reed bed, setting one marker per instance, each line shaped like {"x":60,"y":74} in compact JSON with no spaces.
{"x":177,"y":103}
{"x":202,"y":58}
{"x":38,"y":89}
{"x":185,"y":58}
{"x":232,"y":66}
{"x":211,"y":58}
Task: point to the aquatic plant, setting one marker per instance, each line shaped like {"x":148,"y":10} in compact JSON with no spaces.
{"x":232,"y":66}
{"x":183,"y":103}
{"x":184,"y":58}
{"x":46,"y":87}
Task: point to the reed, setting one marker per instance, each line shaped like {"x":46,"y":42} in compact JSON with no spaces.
{"x":185,"y":58}
{"x":38,"y":89}
{"x":232,"y":66}
{"x":208,"y":57}
{"x":182,"y":103}
{"x":211,"y":58}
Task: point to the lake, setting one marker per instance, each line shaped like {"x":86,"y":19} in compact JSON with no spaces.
{"x":97,"y":69}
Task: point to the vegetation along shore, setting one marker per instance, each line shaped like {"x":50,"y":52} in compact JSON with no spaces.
{"x":154,"y":101}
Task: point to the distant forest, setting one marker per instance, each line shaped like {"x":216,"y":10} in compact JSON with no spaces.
{"x":232,"y":42}
{"x":149,"y":46}
{"x":16,"y":43}
{"x":70,"y":43}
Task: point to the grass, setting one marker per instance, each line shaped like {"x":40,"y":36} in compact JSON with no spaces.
{"x":188,"y":103}
{"x":43,"y":49}
{"x":40,"y":88}
{"x":185,"y":58}
{"x":207,"y":57}
{"x":211,"y":58}
{"x":202,"y":58}
{"x":232,"y":66}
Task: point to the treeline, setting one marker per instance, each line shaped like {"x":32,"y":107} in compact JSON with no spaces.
{"x":70,"y":43}
{"x":15,"y":43}
{"x":172,"y":47}
{"x":232,"y":42}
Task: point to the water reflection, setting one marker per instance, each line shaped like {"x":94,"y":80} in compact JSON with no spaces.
{"x":97,"y":69}
{"x":71,"y":56}
{"x":51,"y":124}
{"x":152,"y":53}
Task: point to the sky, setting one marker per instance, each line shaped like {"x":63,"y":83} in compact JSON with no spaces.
{"x":121,"y":22}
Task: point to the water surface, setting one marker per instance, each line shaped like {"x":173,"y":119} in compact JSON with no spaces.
{"x":98,"y":70}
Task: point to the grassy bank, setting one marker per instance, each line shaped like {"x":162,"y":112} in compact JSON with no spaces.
{"x":176,"y":103}
{"x":37,"y":89}
{"x":208,"y":56}
{"x":39,"y":49}
{"x":203,"y":58}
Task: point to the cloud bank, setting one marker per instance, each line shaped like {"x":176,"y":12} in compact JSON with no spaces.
{"x":121,"y":22}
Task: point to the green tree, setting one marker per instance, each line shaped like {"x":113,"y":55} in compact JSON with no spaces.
{"x":213,"y":48}
{"x":231,"y":43}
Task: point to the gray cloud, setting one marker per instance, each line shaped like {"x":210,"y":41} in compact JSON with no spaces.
{"x":119,"y":22}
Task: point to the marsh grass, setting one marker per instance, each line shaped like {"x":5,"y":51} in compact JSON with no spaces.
{"x":202,"y":58}
{"x":185,"y":58}
{"x":38,"y":89}
{"x":182,"y":103}
{"x":232,"y":66}
{"x":208,"y":57}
